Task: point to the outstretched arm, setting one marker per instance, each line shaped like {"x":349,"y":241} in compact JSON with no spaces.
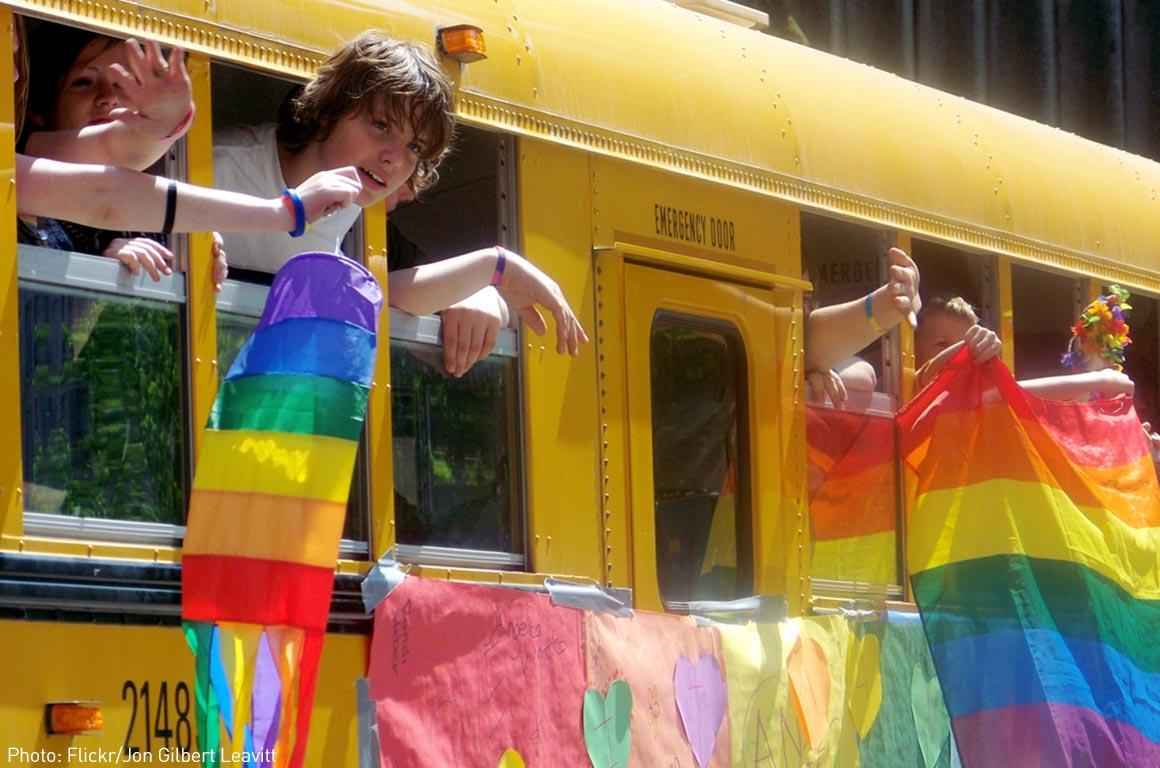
{"x":119,"y":199}
{"x":431,"y":287}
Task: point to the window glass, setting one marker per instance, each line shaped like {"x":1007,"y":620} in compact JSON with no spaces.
{"x":853,"y":492}
{"x":700,"y":460}
{"x":1045,"y":309}
{"x":456,"y":451}
{"x":101,"y":394}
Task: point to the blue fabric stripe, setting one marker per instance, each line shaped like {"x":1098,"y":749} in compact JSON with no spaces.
{"x":311,"y":346}
{"x":221,"y":683}
{"x":1011,"y":668}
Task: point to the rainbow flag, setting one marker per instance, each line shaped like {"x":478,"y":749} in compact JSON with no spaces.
{"x":1034,"y":553}
{"x":267,"y":509}
{"x":853,"y":496}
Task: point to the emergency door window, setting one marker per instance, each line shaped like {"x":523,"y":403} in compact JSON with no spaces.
{"x":700,"y":475}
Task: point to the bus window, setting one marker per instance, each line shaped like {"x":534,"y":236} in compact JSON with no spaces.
{"x":948,"y":272}
{"x":1046,"y":305}
{"x":457,"y":441}
{"x":844,"y":262}
{"x":243,"y":97}
{"x":1141,"y":363}
{"x":103,"y":379}
{"x":102,"y":393}
{"x":700,"y":459}
{"x":853,"y":491}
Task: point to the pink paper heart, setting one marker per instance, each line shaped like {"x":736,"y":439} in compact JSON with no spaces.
{"x":701,"y":701}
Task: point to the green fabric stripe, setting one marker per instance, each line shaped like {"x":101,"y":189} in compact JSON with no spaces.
{"x":974,"y":597}
{"x":198,"y":634}
{"x":305,"y":405}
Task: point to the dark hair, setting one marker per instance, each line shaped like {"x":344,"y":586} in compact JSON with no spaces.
{"x":52,"y":51}
{"x":374,"y":71}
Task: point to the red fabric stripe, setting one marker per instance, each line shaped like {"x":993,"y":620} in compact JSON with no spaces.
{"x":1102,"y":433}
{"x":267,"y":592}
{"x":307,"y":678}
{"x":852,"y":442}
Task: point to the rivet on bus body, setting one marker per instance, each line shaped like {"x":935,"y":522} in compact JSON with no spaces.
{"x":197,"y":360}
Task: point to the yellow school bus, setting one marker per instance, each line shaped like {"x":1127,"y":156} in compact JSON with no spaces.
{"x":679,"y":176}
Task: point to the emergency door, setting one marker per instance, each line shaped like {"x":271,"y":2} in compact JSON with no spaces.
{"x":702,"y":410}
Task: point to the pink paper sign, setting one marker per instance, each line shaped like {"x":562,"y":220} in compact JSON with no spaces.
{"x":644,"y":650}
{"x":460,"y":673}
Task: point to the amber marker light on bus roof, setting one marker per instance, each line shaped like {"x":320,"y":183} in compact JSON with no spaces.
{"x":463,"y":42}
{"x":73,"y":717}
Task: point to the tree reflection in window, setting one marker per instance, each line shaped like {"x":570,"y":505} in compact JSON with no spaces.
{"x":101,"y":401}
{"x":456,"y":451}
{"x":700,"y":459}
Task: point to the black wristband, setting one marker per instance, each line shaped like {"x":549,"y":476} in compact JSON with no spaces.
{"x":170,"y":208}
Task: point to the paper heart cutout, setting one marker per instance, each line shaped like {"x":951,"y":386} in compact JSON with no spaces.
{"x":864,"y":682}
{"x":930,"y":716}
{"x":701,"y":702}
{"x":809,"y":689}
{"x":511,"y":759}
{"x":606,"y":725}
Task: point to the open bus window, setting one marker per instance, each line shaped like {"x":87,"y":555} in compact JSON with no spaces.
{"x":947,"y":272}
{"x":844,"y":262}
{"x":1142,"y":363}
{"x":457,"y":441}
{"x":104,"y":435}
{"x":102,"y":393}
{"x":1046,"y":305}
{"x":700,"y":460}
{"x":853,"y":492}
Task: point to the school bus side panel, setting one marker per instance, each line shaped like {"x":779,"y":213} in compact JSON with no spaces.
{"x":143,"y":679}
{"x":560,"y":392}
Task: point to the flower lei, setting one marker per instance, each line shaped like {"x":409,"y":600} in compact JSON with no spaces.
{"x":1101,"y":330}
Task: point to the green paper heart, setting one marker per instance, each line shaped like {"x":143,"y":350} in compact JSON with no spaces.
{"x":606,"y":725}
{"x":930,"y":716}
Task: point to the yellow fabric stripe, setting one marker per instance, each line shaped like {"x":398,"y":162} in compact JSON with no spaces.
{"x":1000,"y":517}
{"x":243,"y":650}
{"x":286,"y":644}
{"x":264,"y":527}
{"x":871,"y":558}
{"x":277,"y":463}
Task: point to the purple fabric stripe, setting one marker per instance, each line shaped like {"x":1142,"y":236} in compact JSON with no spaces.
{"x":324,"y":285}
{"x":1053,"y":735}
{"x":266,"y":700}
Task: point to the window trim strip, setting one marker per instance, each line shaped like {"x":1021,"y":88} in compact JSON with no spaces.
{"x":247,"y":300}
{"x":453,"y":557}
{"x":86,"y":273}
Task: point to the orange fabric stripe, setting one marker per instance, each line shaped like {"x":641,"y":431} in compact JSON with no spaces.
{"x":1022,"y":449}
{"x":264,"y":527}
{"x":854,"y":505}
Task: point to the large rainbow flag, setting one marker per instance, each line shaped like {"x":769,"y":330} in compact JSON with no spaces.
{"x":1034,"y":552}
{"x":267,"y":509}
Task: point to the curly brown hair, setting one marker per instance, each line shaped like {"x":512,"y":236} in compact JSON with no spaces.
{"x":372,"y":72}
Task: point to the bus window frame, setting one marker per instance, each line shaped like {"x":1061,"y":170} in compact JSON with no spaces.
{"x":878,"y":405}
{"x":92,"y":276}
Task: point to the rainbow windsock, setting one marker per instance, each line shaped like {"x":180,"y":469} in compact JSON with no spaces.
{"x":1034,"y":552}
{"x":852,"y":483}
{"x":268,"y":504}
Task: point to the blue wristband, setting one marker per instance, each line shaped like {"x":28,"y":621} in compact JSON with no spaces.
{"x":291,"y":194}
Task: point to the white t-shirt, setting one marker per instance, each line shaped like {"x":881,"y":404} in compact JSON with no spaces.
{"x":246,"y":160}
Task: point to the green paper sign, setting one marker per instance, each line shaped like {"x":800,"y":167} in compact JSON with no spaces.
{"x":606,"y":725}
{"x":930,"y":720}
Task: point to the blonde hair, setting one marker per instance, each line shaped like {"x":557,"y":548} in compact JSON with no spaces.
{"x":375,"y":71}
{"x":955,"y":306}
{"x":22,"y":67}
